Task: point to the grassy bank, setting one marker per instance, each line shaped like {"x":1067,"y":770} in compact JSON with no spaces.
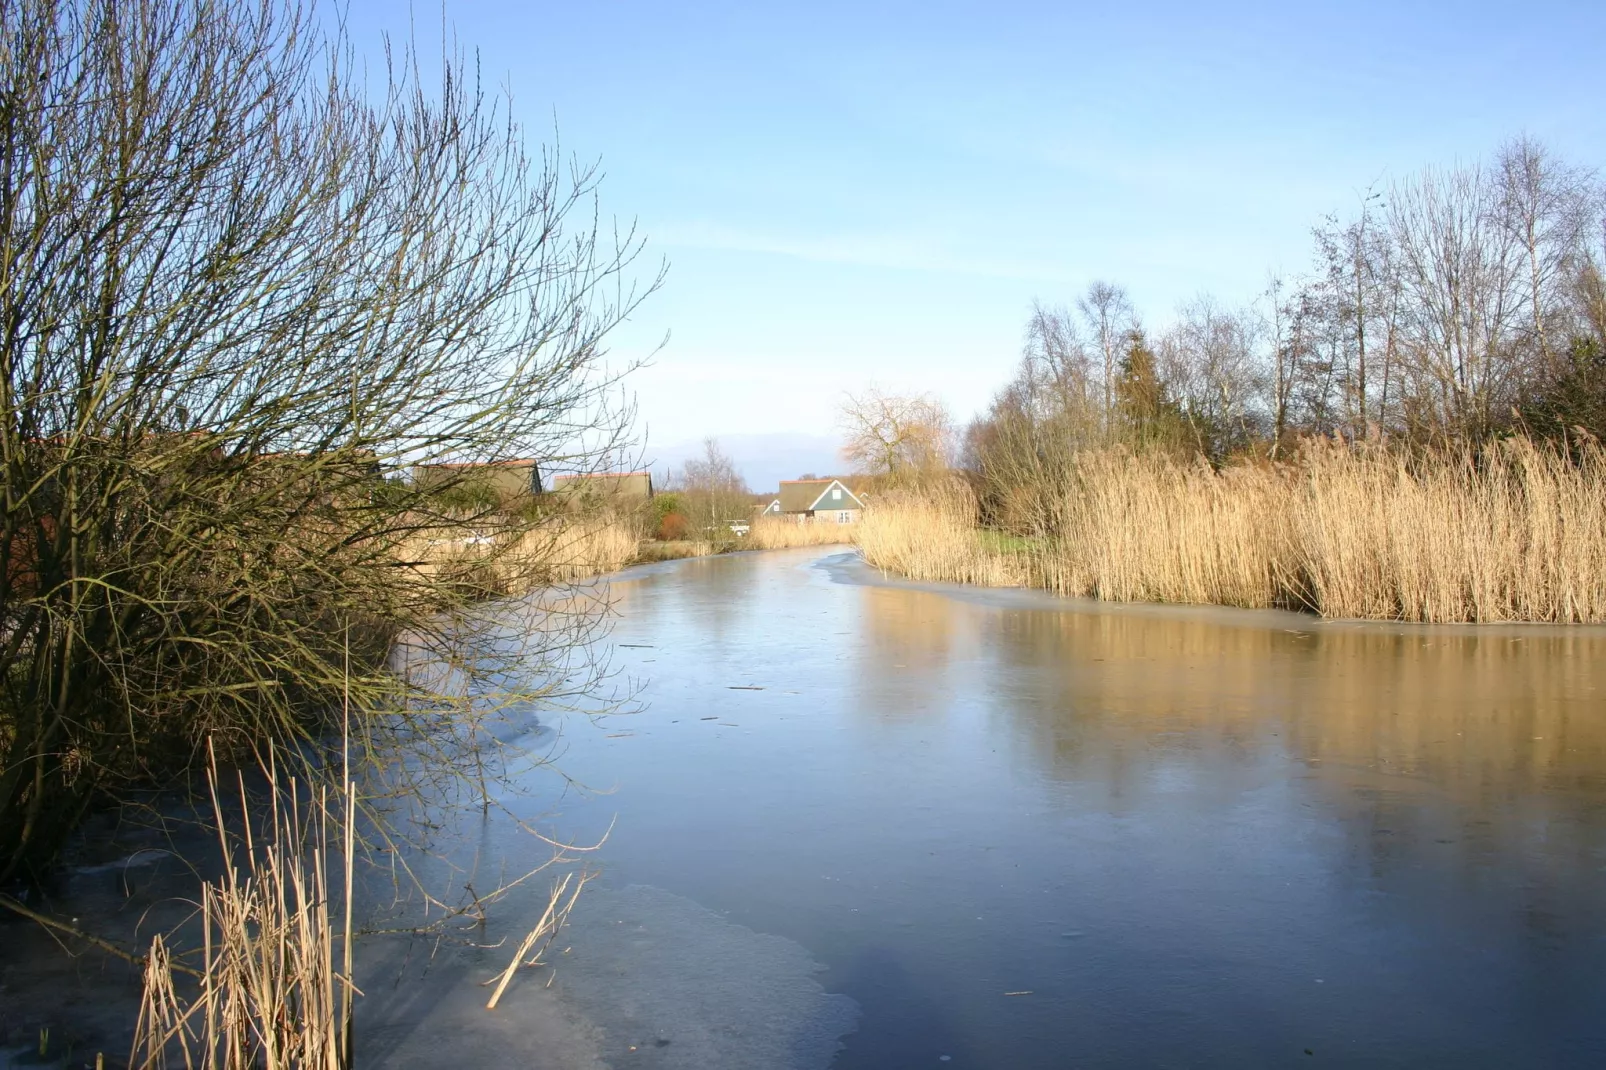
{"x":1514,"y":532}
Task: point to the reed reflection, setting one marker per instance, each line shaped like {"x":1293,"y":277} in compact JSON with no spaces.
{"x":1483,"y":715}
{"x":1487,"y":745}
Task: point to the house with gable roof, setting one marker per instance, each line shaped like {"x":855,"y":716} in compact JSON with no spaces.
{"x":822,"y":500}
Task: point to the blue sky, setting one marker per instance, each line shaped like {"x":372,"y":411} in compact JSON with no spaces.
{"x":851,"y":194}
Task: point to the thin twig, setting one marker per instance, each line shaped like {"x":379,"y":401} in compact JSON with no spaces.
{"x":71,"y":930}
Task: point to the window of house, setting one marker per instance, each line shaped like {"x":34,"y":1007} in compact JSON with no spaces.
{"x":836,"y":494}
{"x":844,"y":517}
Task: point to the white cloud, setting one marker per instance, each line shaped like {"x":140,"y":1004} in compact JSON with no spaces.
{"x":892,"y":249}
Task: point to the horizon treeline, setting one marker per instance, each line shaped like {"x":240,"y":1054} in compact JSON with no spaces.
{"x":1447,"y":307}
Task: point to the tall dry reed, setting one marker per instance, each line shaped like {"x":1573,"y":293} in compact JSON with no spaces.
{"x":274,"y":988}
{"x":576,"y":549}
{"x":1515,"y":532}
{"x":1147,"y":529}
{"x":931,"y":535}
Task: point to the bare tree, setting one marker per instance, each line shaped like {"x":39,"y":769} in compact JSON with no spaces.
{"x":1545,"y":205}
{"x":1281,"y":328}
{"x":1107,"y":311}
{"x":1460,"y":271}
{"x":896,"y":435}
{"x":1569,"y":399}
{"x":1021,"y":448}
{"x":1589,"y":299}
{"x":1207,"y":361}
{"x":1055,"y":366}
{"x":1355,"y":261}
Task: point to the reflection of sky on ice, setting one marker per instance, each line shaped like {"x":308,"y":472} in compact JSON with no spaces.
{"x":650,"y":978}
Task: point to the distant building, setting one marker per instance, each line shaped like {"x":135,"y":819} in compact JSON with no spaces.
{"x":506,"y":479}
{"x":824,"y":500}
{"x":604,"y":488}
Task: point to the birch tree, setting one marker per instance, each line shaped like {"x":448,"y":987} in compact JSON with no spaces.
{"x":1107,"y":311}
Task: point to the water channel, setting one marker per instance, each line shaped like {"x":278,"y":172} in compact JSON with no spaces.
{"x":869,"y":824}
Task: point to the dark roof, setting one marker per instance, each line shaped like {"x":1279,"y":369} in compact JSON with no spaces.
{"x":801,"y":495}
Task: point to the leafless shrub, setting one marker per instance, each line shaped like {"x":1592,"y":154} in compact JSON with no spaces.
{"x":243,"y":294}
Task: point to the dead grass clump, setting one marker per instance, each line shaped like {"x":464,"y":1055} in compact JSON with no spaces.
{"x":274,"y":984}
{"x":270,"y":992}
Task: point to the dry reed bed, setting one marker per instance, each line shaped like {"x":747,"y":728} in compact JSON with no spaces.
{"x":575,"y":550}
{"x":562,"y":551}
{"x":932,"y":536}
{"x":1516,"y":532}
{"x":651,"y":550}
{"x":769,"y":533}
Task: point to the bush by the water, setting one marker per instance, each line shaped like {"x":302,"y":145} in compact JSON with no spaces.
{"x":244,"y":293}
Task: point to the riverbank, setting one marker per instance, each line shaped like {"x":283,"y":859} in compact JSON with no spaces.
{"x":762,"y":535}
{"x":1119,"y":831}
{"x":1516,"y":532}
{"x":585,"y":547}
